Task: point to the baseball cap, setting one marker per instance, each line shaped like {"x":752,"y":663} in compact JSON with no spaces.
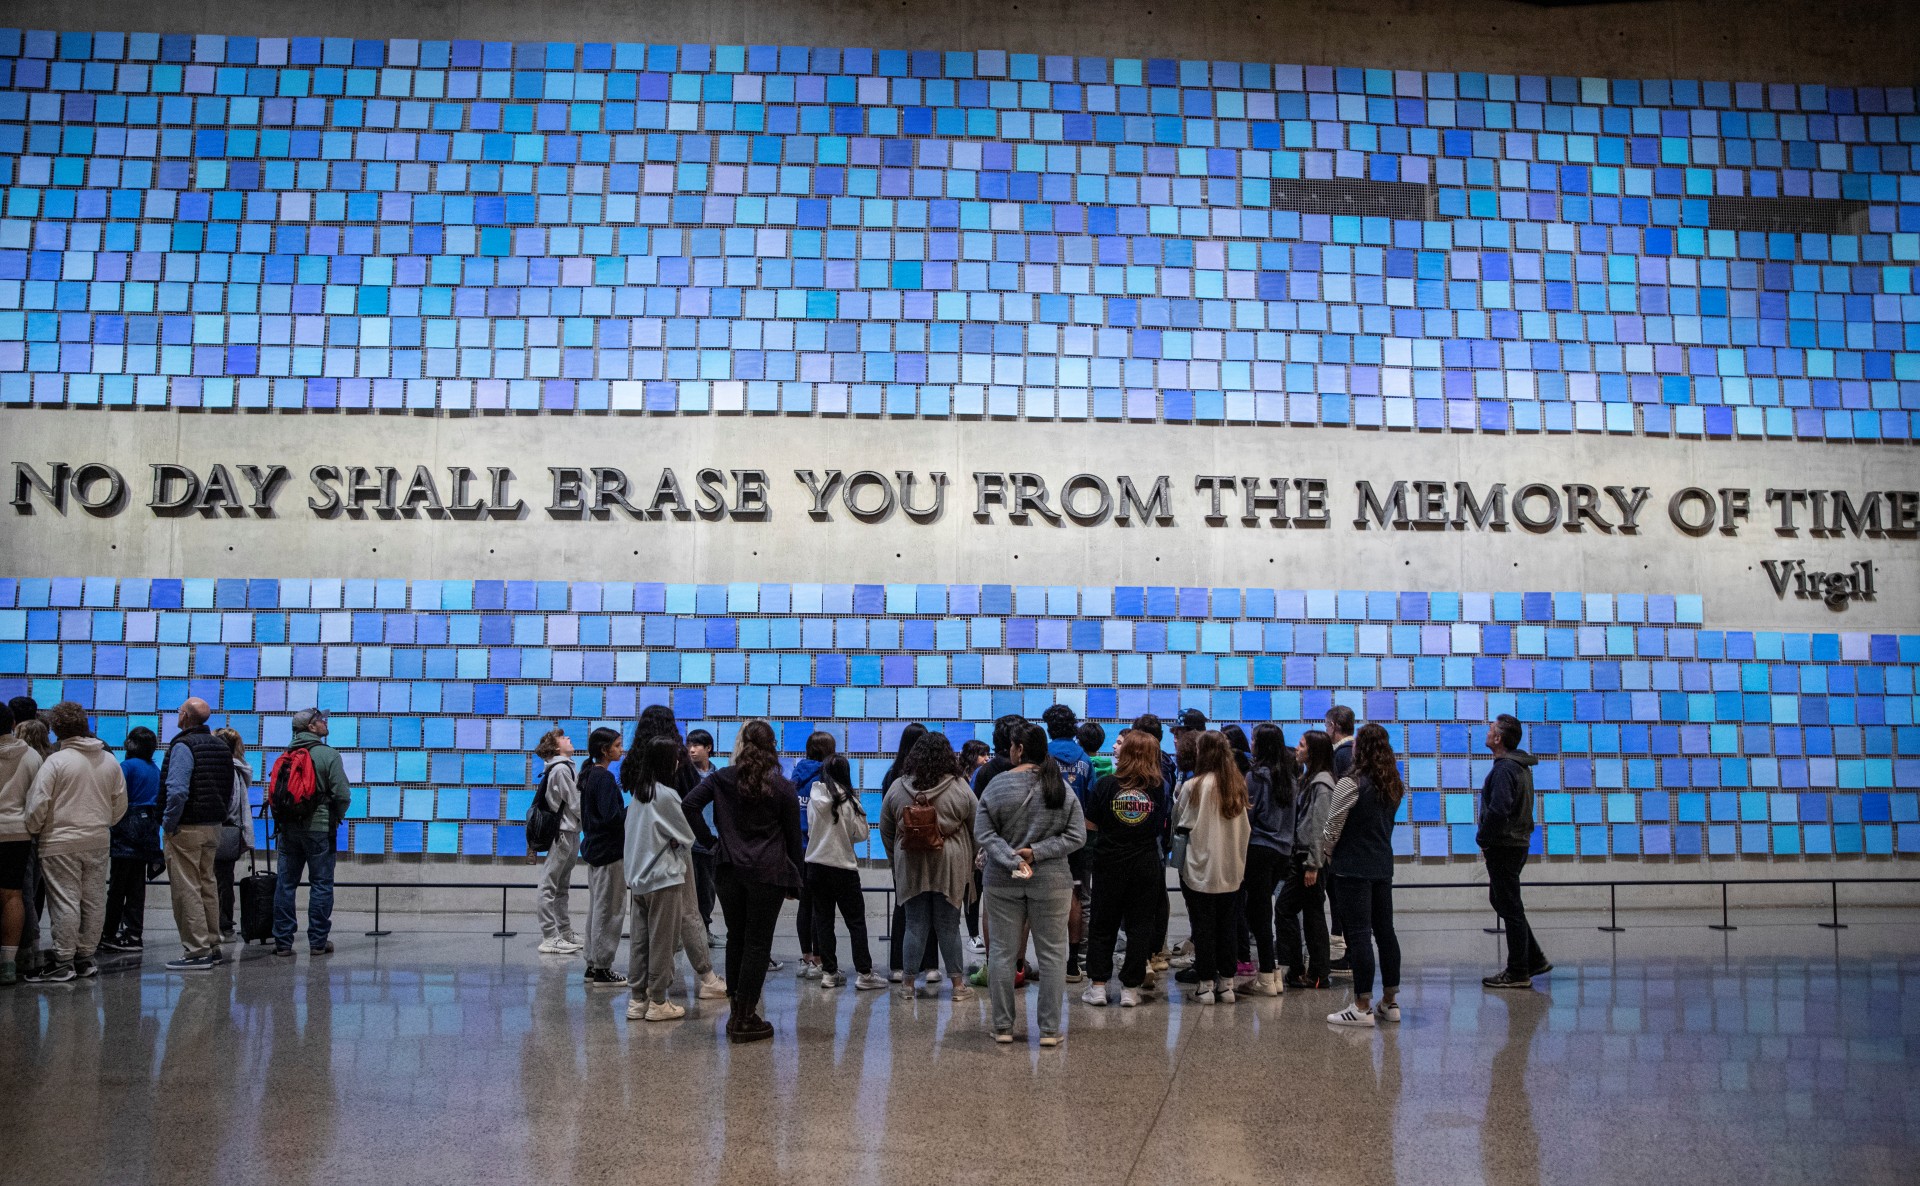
{"x":305,"y":718}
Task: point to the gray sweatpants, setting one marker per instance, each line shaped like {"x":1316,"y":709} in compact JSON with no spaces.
{"x":1044,"y":912}
{"x":555,"y":878}
{"x":657,"y":922}
{"x":693,"y":929}
{"x":75,"y":884}
{"x":606,"y":904}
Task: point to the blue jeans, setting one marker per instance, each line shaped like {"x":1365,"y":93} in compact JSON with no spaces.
{"x":932,"y":920}
{"x":300,"y":848}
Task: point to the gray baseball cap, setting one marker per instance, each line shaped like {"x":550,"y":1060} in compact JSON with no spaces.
{"x":304,"y":719}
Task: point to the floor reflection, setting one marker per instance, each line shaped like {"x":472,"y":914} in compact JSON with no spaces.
{"x":1777,"y":1053}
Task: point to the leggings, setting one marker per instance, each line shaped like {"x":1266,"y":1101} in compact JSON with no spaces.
{"x":1264,"y":867}
{"x":1366,"y":908}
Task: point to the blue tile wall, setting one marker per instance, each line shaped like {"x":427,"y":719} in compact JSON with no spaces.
{"x":309,"y":223}
{"x":1661,"y":735}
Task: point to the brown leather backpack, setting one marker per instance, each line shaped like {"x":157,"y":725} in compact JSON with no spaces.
{"x":920,"y":823}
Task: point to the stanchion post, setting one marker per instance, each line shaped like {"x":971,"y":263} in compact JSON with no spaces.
{"x":503,"y":932}
{"x":1836,"y":924}
{"x":1613,"y":926}
{"x":1723,"y":924}
{"x":377,"y":932}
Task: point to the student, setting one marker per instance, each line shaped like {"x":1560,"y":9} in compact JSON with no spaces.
{"x":1127,"y":813}
{"x":806,"y":772}
{"x":655,"y":860}
{"x":603,"y":820}
{"x":18,"y":764}
{"x":75,"y":798}
{"x":1028,"y":823}
{"x":1093,"y":739}
{"x":559,"y":789}
{"x":1339,"y":722}
{"x":1360,"y":844}
{"x":196,"y":795}
{"x":926,"y":827}
{"x":1270,"y":811}
{"x":700,"y":758}
{"x":664,"y":764}
{"x":1303,"y":896}
{"x":909,"y":737}
{"x":974,"y":754}
{"x":1212,"y":810}
{"x":758,"y":847}
{"x":836,"y":826}
{"x":1076,"y":767}
{"x":136,"y":846}
{"x":236,"y":834}
{"x":1242,"y":947}
{"x":657,"y":720}
{"x":1160,"y":960}
{"x":1505,"y":834}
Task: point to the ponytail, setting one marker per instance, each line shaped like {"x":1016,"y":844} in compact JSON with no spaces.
{"x":1032,"y":740}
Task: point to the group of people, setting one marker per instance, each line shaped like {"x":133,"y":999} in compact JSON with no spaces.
{"x":81,"y":835}
{"x":1049,"y":847}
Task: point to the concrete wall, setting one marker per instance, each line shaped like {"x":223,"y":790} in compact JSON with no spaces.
{"x":791,"y":545}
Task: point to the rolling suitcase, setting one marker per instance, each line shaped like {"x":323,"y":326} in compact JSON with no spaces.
{"x":256,"y":903}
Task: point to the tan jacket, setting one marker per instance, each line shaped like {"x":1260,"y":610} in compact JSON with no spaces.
{"x":18,"y":764}
{"x":76,"y":798}
{"x":1216,"y":847}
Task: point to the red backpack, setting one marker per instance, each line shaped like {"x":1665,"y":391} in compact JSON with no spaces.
{"x":293,"y":792}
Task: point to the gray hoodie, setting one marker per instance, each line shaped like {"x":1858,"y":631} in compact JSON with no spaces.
{"x":19,"y":762}
{"x":76,"y":798}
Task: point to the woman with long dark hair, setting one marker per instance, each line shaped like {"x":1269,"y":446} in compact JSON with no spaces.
{"x":756,"y":838}
{"x":603,"y":822}
{"x":1270,"y":811}
{"x":1028,"y":823}
{"x":1360,"y":844}
{"x":659,"y":873}
{"x":836,"y":828}
{"x":1212,"y":810}
{"x":1304,"y":894}
{"x":1128,"y":811}
{"x":926,"y":825}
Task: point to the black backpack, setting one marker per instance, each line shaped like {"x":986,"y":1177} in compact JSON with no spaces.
{"x":543,"y":823}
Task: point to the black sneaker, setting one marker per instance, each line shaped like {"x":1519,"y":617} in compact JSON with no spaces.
{"x":51,"y":973}
{"x":1343,"y":964}
{"x":84,"y":968}
{"x":1507,"y":978}
{"x":1187,"y":976}
{"x":1545,"y":967}
{"x":1302,"y":980}
{"x":603,"y":978}
{"x":121,"y":943}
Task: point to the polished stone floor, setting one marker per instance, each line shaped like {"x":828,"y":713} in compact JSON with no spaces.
{"x":1776,"y":1053}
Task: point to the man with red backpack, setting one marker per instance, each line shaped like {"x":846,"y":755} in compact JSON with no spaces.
{"x":308,"y":794}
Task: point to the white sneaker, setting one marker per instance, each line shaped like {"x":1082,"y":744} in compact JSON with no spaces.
{"x":1336,"y":947}
{"x":711,"y":988}
{"x":664,"y":1011}
{"x":978,"y":946}
{"x":1386,"y":1012}
{"x":1267,"y":984}
{"x":1223,"y":991}
{"x":832,"y":980}
{"x":555,"y":946}
{"x":909,"y":991}
{"x":869,"y":981}
{"x":637,"y":1009}
{"x":1202,"y":996}
{"x":1096,"y":995}
{"x":1049,"y":1041}
{"x":933,"y":976}
{"x":808,"y":971}
{"x":574,"y":941}
{"x":962,"y":992}
{"x":1129,"y":999}
{"x":896,"y":976}
{"x":1351,"y":1016}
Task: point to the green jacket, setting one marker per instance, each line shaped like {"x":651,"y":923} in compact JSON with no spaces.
{"x":331,"y":775}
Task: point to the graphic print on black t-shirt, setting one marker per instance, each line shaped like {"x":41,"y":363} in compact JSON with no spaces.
{"x":1132,"y":807}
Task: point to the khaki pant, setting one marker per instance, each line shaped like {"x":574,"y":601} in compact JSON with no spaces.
{"x":75,"y":885}
{"x":196,"y":890}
